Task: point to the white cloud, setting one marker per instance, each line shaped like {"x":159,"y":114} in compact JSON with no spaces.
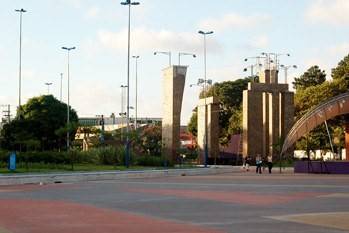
{"x":259,"y":42}
{"x":339,"y":49}
{"x":92,"y":12}
{"x":147,"y":39}
{"x":334,"y":12}
{"x":234,"y":20}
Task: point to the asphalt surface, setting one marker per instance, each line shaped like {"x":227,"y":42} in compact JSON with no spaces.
{"x":237,"y":202}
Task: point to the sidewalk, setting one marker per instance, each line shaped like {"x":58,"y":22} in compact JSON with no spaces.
{"x":13,"y":179}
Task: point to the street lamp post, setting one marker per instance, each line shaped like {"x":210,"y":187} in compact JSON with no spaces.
{"x":258,"y":63}
{"x":68,"y":106}
{"x":205,"y":82}
{"x":251,"y":67}
{"x":60,"y":92}
{"x":184,"y":54}
{"x":136,"y":110}
{"x":166,"y":53}
{"x":286,"y":68}
{"x":48,"y":87}
{"x":128,"y":3}
{"x":122,"y":113}
{"x":21,"y":11}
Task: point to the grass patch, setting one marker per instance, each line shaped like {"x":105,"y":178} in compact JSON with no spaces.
{"x":51,"y":168}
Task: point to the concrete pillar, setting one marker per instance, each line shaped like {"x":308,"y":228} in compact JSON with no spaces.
{"x":274,"y":114}
{"x":211,"y":117}
{"x":265,"y":136}
{"x":252,"y":123}
{"x":173,"y":87}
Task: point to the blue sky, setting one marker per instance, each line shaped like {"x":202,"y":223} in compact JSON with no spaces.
{"x":312,"y":31}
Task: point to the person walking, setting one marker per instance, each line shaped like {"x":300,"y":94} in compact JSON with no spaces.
{"x":247,"y":162}
{"x":259,"y":164}
{"x":270,"y":162}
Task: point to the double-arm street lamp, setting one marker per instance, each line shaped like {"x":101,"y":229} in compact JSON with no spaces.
{"x":286,"y":68}
{"x":204,"y":83}
{"x":276,"y":58}
{"x":184,"y":54}
{"x":68,"y":106}
{"x":48,"y":87}
{"x":166,"y":53}
{"x":21,"y":11}
{"x":128,"y":3}
{"x":251,"y":68}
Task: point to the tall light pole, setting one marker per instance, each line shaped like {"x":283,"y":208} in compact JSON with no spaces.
{"x":277,"y":55}
{"x":68,"y":106}
{"x":21,"y":11}
{"x":205,"y":82}
{"x":286,"y":68}
{"x":166,"y":53}
{"x":251,"y":67}
{"x":136,"y":58}
{"x":60,"y":93}
{"x":48,"y":87}
{"x":128,"y":3}
{"x":184,"y":54}
{"x":258,"y":63}
{"x":122,"y":113}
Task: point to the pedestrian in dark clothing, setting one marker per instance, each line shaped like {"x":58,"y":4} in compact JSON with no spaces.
{"x":270,"y":162}
{"x":259,"y":164}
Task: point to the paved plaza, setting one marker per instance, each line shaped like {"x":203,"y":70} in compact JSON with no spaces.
{"x":236,"y":202}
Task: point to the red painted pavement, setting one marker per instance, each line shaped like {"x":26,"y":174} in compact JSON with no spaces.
{"x":232,"y":197}
{"x":33,"y":187}
{"x":43,"y":216}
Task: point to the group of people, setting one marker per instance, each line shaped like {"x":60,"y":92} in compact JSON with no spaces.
{"x":259,"y":163}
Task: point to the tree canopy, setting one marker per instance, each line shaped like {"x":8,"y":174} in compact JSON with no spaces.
{"x":309,"y":96}
{"x":229,"y":94}
{"x":41,"y":124}
{"x":312,"y":77}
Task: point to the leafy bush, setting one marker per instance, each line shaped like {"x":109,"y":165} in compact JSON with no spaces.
{"x":103,"y":155}
{"x":148,"y":160}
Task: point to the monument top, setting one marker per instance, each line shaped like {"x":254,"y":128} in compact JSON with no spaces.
{"x":269,"y":76}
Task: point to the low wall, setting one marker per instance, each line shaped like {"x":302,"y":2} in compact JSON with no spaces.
{"x":109,"y":175}
{"x":330,"y":167}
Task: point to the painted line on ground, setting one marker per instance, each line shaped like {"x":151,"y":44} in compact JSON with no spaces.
{"x":223,"y":185}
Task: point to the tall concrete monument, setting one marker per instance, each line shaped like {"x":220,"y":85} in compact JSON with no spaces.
{"x":208,"y":117}
{"x":268,"y":113}
{"x":173,"y":87}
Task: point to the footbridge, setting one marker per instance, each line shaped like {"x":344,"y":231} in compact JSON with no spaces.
{"x":336,"y":106}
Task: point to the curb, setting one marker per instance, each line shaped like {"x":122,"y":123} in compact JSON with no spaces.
{"x":108,"y":175}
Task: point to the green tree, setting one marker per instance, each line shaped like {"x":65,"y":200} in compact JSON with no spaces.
{"x":342,"y":69}
{"x":42,"y":119}
{"x":312,"y":77}
{"x":193,"y":123}
{"x":229,"y":94}
{"x":150,"y":139}
{"x":309,"y":97}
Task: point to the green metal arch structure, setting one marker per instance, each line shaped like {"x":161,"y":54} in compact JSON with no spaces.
{"x":335,"y":106}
